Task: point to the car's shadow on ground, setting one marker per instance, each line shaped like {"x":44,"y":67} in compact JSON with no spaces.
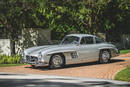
{"x":116,"y":60}
{"x":78,"y":65}
{"x":56,"y":83}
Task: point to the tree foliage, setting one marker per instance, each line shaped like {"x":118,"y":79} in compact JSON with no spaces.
{"x":85,"y":16}
{"x":13,"y":15}
{"x":82,"y":16}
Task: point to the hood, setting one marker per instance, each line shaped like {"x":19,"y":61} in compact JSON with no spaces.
{"x":34,"y":51}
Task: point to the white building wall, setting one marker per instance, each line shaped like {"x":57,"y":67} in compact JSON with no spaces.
{"x":32,"y":37}
{"x":126,"y":40}
{"x":5,"y":46}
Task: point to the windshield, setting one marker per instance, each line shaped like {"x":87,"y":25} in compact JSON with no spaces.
{"x":70,"y":40}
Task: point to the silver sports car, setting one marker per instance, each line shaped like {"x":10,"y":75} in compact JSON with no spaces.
{"x":74,"y":48}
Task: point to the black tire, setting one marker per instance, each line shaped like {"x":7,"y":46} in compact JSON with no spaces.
{"x":104,"y":56}
{"x":57,"y":61}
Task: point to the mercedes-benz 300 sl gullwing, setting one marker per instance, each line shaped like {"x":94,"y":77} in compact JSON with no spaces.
{"x":74,"y":48}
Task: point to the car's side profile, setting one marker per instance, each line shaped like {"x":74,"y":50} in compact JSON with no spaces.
{"x":74,"y":48}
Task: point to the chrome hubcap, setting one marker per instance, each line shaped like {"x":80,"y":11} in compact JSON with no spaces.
{"x":105,"y":56}
{"x":57,"y":60}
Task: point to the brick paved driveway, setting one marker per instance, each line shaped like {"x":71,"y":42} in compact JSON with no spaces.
{"x":90,"y":70}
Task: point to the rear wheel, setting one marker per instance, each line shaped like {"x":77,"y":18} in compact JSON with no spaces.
{"x":104,"y":56}
{"x":57,"y":61}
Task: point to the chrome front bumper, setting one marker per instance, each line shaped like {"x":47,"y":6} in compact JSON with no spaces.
{"x":33,"y":61}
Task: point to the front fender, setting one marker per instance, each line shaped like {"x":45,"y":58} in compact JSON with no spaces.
{"x":105,"y":48}
{"x":61,"y":51}
{"x":65,"y":53}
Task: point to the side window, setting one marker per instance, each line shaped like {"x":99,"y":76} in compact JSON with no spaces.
{"x":87,"y":40}
{"x":98,"y":40}
{"x":83,"y":41}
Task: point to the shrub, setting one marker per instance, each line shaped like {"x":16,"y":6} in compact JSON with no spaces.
{"x":4,"y":59}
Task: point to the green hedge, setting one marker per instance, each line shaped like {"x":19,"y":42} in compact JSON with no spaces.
{"x":10,"y":59}
{"x":124,"y":51}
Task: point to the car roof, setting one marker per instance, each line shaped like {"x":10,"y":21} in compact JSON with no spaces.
{"x":81,"y":35}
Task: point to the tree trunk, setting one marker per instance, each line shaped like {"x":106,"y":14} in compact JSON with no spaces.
{"x":12,"y":41}
{"x":12,"y":46}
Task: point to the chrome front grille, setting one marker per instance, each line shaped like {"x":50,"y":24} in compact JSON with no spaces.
{"x":31,"y":58}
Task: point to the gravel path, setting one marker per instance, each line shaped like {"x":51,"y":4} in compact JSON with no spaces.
{"x":90,"y":70}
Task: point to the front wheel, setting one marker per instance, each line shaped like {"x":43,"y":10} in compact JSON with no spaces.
{"x":104,"y":56}
{"x":57,"y":61}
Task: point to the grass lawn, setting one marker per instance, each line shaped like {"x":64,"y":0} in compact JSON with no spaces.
{"x":123,"y":75}
{"x":8,"y":65}
{"x":124,"y":51}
